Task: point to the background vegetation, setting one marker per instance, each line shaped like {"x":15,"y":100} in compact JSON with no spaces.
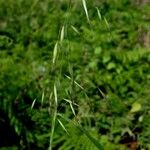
{"x":74,"y":74}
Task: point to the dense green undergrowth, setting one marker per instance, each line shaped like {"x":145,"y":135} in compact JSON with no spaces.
{"x":74,"y":75}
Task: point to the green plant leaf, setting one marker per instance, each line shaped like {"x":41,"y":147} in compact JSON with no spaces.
{"x":135,"y":107}
{"x":91,"y":138}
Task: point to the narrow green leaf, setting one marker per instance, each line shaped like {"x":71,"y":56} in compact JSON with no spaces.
{"x":106,"y":22}
{"x":55,"y":94}
{"x":75,"y":82}
{"x":75,"y":29}
{"x":99,"y":14}
{"x":55,"y":52}
{"x":85,"y":9}
{"x":33,"y":103}
{"x":62,"y":33}
{"x":62,"y":126}
{"x":42,"y":100}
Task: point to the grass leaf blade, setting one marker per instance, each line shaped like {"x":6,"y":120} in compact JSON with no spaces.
{"x":55,"y":52}
{"x":85,"y":9}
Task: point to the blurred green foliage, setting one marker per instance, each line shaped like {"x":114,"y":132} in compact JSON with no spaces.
{"x":103,"y":66}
